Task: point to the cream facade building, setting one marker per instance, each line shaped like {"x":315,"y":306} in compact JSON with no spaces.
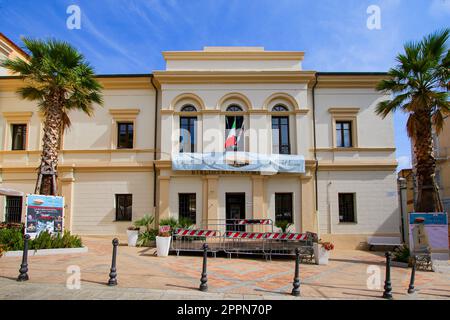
{"x":442,"y":145}
{"x":124,"y":161}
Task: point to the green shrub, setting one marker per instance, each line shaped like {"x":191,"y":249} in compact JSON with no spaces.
{"x":283,"y":225}
{"x":145,"y":238}
{"x":172,"y":222}
{"x":185,"y":223}
{"x":146,"y":221}
{"x":402,"y":254}
{"x":11,"y":239}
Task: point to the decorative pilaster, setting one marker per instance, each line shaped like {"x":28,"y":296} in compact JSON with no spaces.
{"x":164,"y":195}
{"x":67,"y":180}
{"x":258,"y":201}
{"x":212,"y":194}
{"x":308,"y":216}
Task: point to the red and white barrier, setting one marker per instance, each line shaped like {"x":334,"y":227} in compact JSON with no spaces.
{"x":195,"y":233}
{"x":255,"y":221}
{"x":244,"y":235}
{"x":286,"y":236}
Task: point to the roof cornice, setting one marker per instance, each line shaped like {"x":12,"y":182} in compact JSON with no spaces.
{"x":233,"y":55}
{"x":233,"y":76}
{"x":128,"y":81}
{"x":349,"y":79}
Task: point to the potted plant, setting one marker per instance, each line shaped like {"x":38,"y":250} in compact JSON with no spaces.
{"x":284,"y":225}
{"x":163,"y":241}
{"x":401,"y":257}
{"x":147,"y":222}
{"x":132,"y":234}
{"x":322,"y":251}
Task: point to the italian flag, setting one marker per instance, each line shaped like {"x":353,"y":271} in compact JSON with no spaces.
{"x":231,"y":140}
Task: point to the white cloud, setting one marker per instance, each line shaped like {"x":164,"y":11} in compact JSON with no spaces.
{"x":440,"y":8}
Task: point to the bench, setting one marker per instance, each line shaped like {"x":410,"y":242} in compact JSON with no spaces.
{"x":383,"y":241}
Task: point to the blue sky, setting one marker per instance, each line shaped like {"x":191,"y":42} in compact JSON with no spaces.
{"x":127,"y":36}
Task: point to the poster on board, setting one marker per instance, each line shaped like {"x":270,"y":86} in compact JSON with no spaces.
{"x":429,"y":231}
{"x":44,"y":213}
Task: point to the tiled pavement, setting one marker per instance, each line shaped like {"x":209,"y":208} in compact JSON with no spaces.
{"x":141,"y":275}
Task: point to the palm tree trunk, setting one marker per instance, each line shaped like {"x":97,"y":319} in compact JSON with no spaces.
{"x":427,"y":192}
{"x":47,"y":175}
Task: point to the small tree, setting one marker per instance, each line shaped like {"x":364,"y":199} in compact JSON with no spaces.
{"x":420,"y":82}
{"x":59,"y":79}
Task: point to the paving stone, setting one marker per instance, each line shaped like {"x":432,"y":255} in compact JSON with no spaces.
{"x":148,"y":277}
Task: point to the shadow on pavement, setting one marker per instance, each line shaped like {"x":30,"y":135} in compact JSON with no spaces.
{"x":183,"y":287}
{"x":9,"y":278}
{"x":276,"y":292}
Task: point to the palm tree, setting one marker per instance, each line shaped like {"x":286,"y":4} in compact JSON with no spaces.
{"x":59,"y":79}
{"x":420,"y":86}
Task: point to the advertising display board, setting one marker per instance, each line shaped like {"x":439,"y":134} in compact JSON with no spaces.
{"x":429,"y":230}
{"x":44,"y":213}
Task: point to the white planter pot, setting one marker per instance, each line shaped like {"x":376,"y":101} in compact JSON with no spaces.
{"x":163,"y":246}
{"x":132,"y":237}
{"x":320,"y":254}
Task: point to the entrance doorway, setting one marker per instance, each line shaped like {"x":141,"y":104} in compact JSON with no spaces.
{"x":235,"y":209}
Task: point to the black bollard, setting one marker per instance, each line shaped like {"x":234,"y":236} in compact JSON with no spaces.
{"x":113,"y":274}
{"x":387,"y":294}
{"x":23,"y":275}
{"x":296,"y":290}
{"x":204,"y":278}
{"x":411,"y":288}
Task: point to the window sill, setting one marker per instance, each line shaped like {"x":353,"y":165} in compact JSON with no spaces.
{"x":348,"y":222}
{"x":128,"y":221}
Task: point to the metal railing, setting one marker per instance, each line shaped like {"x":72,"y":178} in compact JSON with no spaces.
{"x":192,"y":240}
{"x":243,"y":236}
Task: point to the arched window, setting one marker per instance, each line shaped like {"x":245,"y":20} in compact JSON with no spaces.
{"x":234,"y":129}
{"x":188,"y":130}
{"x":279,"y":107}
{"x":234,"y":108}
{"x":280,"y":131}
{"x":188,"y":108}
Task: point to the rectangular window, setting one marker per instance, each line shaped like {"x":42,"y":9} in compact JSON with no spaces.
{"x":124,"y":204}
{"x":344,"y":134}
{"x":283,"y":207}
{"x":234,"y":133}
{"x":347,"y":207}
{"x":125,"y":135}
{"x":187,"y":206}
{"x":13,"y":209}
{"x":19,"y":136}
{"x":188,"y":130}
{"x":280,"y":135}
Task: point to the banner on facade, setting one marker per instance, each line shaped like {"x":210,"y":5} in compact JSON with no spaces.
{"x":429,"y":230}
{"x":239,"y":161}
{"x":44,"y":213}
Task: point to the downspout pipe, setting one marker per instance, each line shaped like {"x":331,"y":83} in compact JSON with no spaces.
{"x":155,"y":139}
{"x":315,"y":140}
{"x":316,"y":80}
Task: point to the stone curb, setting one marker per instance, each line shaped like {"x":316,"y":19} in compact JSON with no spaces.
{"x":46,"y":252}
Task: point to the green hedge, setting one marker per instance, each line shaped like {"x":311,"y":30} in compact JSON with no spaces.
{"x":12,"y":239}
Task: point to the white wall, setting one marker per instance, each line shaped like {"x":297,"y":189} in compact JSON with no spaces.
{"x":94,"y":200}
{"x":376,"y":201}
{"x":373,"y":131}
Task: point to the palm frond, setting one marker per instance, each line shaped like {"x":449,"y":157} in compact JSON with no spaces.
{"x":386,"y":107}
{"x":31,"y":93}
